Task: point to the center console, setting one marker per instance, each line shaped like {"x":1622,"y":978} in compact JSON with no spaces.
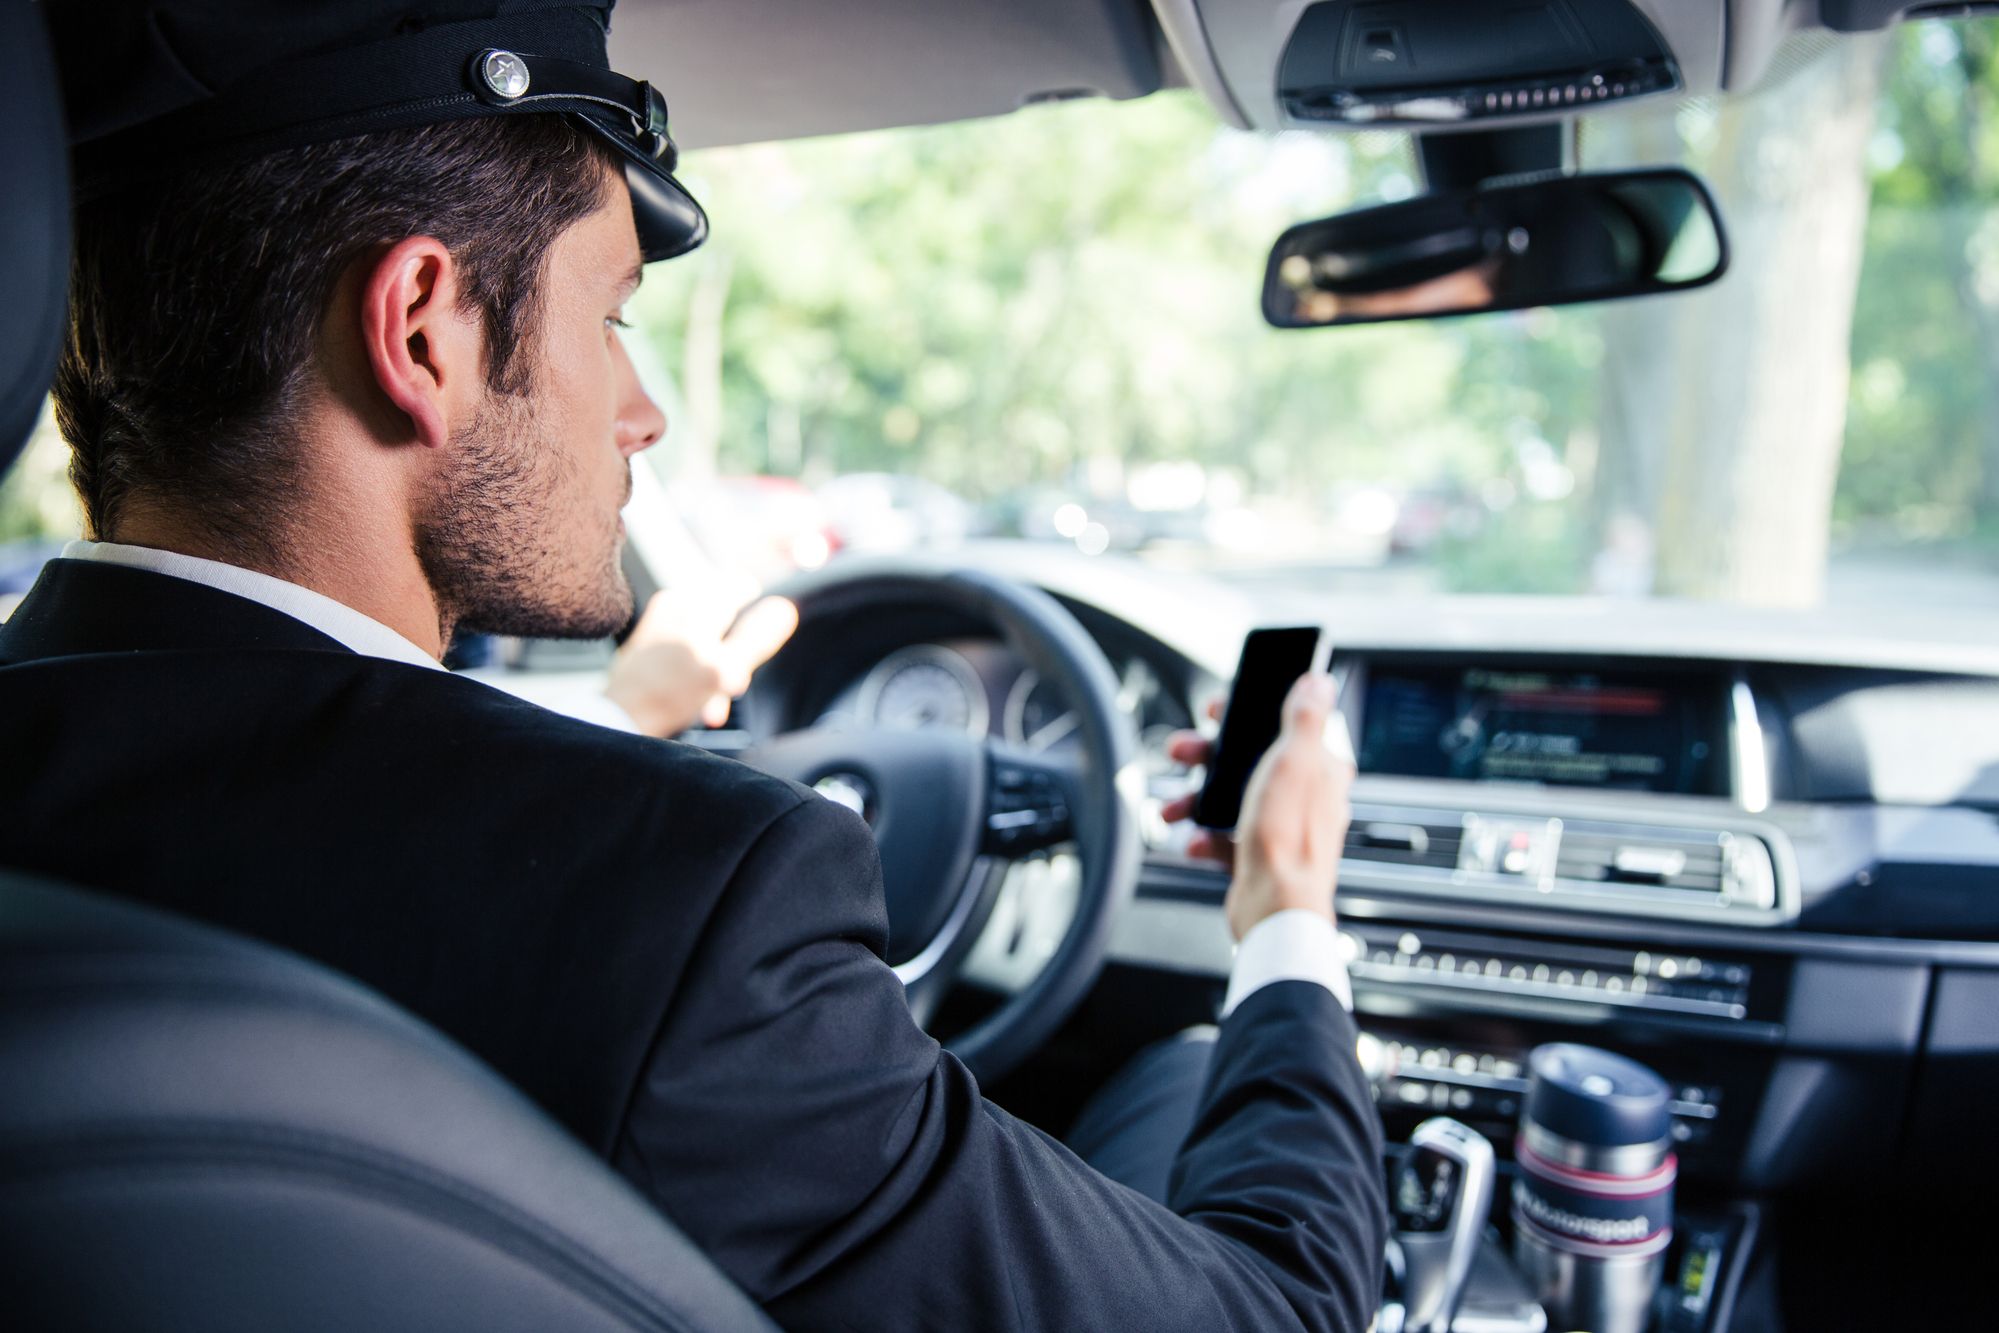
{"x":1450,"y":1016}
{"x":1719,"y":869}
{"x":1703,"y":1272}
{"x":1582,"y":1229}
{"x":1632,"y":791}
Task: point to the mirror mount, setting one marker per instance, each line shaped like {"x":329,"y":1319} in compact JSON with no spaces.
{"x":1464,"y":159}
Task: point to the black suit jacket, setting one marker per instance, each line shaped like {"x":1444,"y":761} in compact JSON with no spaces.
{"x":677,"y":956}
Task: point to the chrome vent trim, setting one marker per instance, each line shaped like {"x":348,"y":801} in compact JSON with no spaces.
{"x":1739,"y":871}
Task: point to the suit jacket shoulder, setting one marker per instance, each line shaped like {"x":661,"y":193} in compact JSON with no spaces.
{"x":529,"y":883}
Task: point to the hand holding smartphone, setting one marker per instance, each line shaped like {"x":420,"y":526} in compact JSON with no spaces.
{"x":1272,"y":661}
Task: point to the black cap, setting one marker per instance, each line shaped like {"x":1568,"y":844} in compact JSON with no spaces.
{"x":1593,"y":1097}
{"x":157,"y":87}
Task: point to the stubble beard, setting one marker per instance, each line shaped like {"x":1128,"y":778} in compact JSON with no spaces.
{"x":509,"y":542}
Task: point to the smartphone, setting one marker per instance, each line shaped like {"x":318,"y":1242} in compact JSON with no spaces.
{"x":1272,"y":661}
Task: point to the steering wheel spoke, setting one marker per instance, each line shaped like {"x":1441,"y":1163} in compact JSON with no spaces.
{"x":1031,"y":801}
{"x":951,"y":815}
{"x":928,"y":976}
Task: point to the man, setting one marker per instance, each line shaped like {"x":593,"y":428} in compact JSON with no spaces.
{"x":332,"y":398}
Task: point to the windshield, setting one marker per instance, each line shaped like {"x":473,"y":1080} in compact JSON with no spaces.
{"x":1045,"y":328}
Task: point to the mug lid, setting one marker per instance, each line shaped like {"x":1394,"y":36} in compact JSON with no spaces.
{"x":1596,"y":1098}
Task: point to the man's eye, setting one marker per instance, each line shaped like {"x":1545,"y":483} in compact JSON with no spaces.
{"x":616,"y":322}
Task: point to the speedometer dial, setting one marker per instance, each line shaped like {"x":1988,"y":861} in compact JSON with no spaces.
{"x":1037,"y":715}
{"x":926,"y":686}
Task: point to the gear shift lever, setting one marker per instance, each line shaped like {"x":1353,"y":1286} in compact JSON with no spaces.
{"x":1441,"y":1199}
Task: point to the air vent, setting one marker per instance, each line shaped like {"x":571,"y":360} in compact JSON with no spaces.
{"x":1391,"y":839}
{"x":1570,"y":860}
{"x":1656,"y":859}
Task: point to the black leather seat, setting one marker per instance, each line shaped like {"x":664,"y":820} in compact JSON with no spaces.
{"x":34,"y":222}
{"x":199,"y":1132}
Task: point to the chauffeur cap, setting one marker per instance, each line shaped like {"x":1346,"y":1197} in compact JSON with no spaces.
{"x":154,"y":86}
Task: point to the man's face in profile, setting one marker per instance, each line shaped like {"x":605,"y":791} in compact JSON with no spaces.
{"x":520,"y":530}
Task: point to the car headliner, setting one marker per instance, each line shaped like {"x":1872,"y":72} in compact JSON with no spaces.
{"x":745,"y":71}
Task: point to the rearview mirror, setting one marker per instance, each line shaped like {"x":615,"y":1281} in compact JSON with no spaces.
{"x":1548,"y":240}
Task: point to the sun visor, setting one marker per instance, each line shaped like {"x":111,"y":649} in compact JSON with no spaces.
{"x":786,"y":69}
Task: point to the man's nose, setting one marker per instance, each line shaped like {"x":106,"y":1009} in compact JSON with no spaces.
{"x":640,"y":423}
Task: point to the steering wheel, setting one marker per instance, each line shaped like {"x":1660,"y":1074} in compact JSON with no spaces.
{"x":951,"y":812}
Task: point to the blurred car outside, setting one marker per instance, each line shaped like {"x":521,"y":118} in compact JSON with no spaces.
{"x":886,"y":512}
{"x":1184,"y":516}
{"x":1428,"y":514}
{"x":762,"y":526}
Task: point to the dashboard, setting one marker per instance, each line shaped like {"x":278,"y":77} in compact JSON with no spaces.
{"x":1773,"y":879}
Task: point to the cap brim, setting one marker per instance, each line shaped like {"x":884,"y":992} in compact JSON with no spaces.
{"x":670,"y":222}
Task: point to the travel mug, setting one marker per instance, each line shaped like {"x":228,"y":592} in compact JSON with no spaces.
{"x":1593,"y":1201}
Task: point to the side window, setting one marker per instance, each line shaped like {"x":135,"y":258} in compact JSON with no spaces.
{"x":38,"y":512}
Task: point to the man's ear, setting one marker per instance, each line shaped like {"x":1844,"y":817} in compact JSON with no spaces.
{"x":422,"y":350}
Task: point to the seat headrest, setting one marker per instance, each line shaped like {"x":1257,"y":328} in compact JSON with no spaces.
{"x":34,"y":222}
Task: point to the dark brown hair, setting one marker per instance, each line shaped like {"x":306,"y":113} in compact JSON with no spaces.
{"x":196,"y":305}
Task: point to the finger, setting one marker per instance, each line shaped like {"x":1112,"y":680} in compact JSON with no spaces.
{"x":1210,"y":846}
{"x":705,"y":679}
{"x":715,"y":712}
{"x":1189,"y":748}
{"x":1290,"y":778}
{"x":1214,"y":710}
{"x":761,"y":631}
{"x":1309,"y":705}
{"x":1177,"y":809}
{"x":1275,"y":805}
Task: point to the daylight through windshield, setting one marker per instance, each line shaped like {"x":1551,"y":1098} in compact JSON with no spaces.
{"x":1045,"y":327}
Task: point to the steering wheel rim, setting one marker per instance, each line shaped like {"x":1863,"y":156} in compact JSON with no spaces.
{"x":1101,"y":787}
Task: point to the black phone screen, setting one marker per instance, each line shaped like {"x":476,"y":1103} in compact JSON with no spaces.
{"x":1272,"y":661}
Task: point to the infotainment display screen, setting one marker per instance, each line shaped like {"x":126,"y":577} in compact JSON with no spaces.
{"x":1629,"y":730}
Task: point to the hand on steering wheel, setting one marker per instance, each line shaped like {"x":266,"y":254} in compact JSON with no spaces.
{"x":691,"y":653}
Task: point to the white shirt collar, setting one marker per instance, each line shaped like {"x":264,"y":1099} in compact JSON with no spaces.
{"x":363,"y":634}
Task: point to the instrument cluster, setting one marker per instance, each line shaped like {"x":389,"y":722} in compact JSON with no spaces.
{"x":984,"y":689}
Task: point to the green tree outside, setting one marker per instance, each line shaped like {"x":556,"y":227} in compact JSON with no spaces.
{"x":1055,"y":298}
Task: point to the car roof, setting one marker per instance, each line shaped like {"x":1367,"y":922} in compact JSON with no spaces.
{"x":755,"y":70}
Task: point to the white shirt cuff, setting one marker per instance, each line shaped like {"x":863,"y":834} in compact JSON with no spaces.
{"x":1292,"y":945}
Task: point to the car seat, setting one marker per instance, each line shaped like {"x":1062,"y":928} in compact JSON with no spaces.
{"x":199,"y":1131}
